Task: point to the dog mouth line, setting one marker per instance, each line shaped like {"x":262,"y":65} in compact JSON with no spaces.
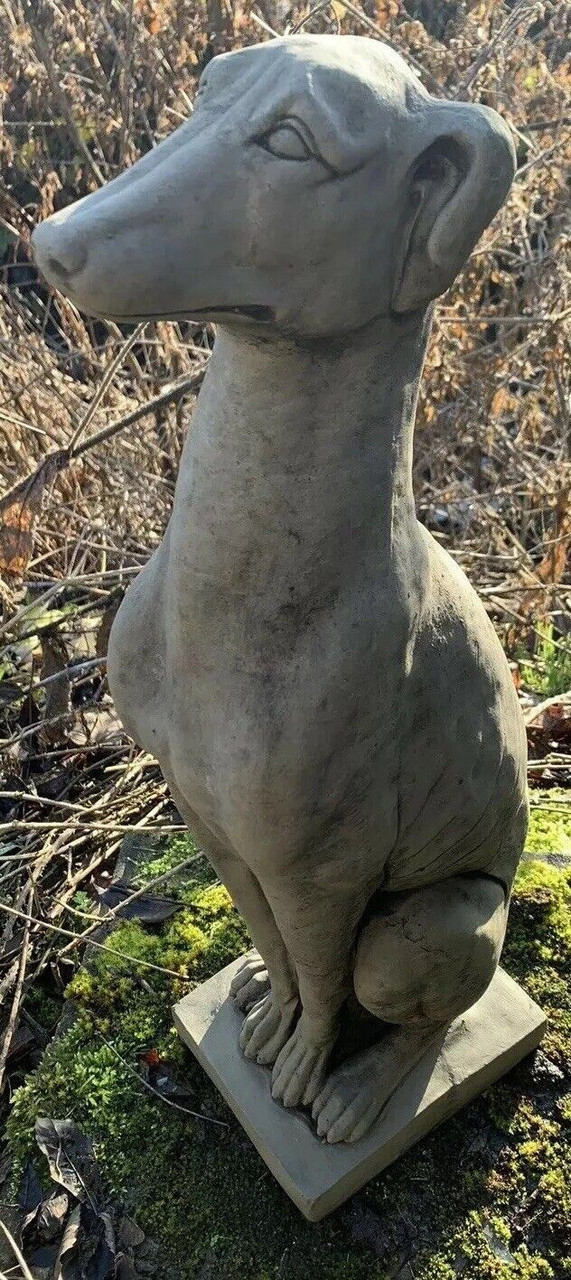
{"x":252,"y":311}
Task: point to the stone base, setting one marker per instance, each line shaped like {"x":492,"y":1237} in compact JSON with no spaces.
{"x":479,"y":1048}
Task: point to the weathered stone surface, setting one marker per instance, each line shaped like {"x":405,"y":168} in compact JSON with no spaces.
{"x":479,"y":1047}
{"x":323,"y":689}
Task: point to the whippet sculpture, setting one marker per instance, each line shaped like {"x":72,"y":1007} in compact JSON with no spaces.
{"x":324,"y":691}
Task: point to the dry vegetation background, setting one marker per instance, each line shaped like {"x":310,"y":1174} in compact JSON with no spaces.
{"x":92,"y":419}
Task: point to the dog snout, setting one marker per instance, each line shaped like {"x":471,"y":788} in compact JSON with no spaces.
{"x":59,"y":252}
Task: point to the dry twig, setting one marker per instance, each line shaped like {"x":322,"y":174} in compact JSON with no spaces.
{"x":13,"y":1017}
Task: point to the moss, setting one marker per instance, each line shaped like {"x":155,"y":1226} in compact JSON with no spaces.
{"x":486,"y":1196}
{"x":188,"y":884}
{"x":538,"y":947}
{"x":549,"y":671}
{"x":43,"y":1006}
{"x":550,"y":830}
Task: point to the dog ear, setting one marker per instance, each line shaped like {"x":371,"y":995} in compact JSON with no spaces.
{"x":456,"y":185}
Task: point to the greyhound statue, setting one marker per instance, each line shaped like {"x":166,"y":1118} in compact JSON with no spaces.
{"x":324,"y":691}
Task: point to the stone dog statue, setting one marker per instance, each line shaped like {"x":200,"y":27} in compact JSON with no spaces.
{"x":323,"y":689}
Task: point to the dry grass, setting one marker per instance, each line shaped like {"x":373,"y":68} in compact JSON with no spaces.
{"x":92,"y":420}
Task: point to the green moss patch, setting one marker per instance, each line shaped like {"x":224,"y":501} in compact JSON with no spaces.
{"x":486,"y":1196}
{"x":550,"y":822}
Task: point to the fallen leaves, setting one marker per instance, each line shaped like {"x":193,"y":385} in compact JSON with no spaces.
{"x":71,"y":1232}
{"x":88,"y":1246}
{"x":44,"y":1222}
{"x":22,"y":1043}
{"x":149,"y":908}
{"x":70,"y":1157}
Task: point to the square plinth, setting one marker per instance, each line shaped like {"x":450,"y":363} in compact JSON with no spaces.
{"x":479,"y":1048}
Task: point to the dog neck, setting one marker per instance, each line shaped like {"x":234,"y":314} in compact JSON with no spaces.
{"x":297,"y":470}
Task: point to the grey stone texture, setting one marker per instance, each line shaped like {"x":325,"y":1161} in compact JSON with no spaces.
{"x":323,"y":689}
{"x":478,"y":1047}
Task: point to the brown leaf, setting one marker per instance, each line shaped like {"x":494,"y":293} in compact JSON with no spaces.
{"x":559,"y":704}
{"x":96,"y":725}
{"x":70,"y":1156}
{"x":30,"y":1192}
{"x":516,"y":675}
{"x":152,"y":1058}
{"x":45,"y":1222}
{"x":125,"y":1268}
{"x":87,"y":1247}
{"x":385,"y":10}
{"x":129,"y":1235}
{"x":9,"y":692}
{"x":553,"y":565}
{"x":552,"y":568}
{"x":111,"y":608}
{"x":22,"y":1041}
{"x":18,"y":512}
{"x":549,"y":724}
{"x":58,"y":692}
{"x":16,"y":538}
{"x":502,"y":401}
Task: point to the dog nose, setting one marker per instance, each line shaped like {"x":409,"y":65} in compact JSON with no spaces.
{"x":59,"y":253}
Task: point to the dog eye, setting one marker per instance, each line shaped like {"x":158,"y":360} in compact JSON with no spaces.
{"x":286,"y":141}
